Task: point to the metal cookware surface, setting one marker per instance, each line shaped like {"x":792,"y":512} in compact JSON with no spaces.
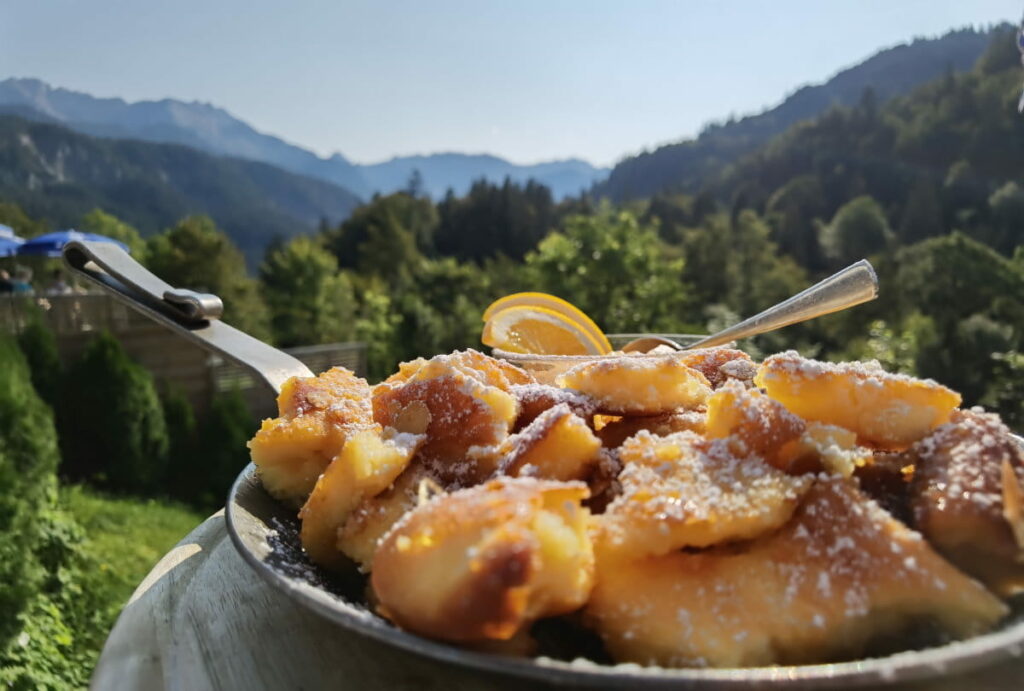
{"x":265,"y":532}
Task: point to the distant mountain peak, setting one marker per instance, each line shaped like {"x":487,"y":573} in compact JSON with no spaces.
{"x":212,"y":129}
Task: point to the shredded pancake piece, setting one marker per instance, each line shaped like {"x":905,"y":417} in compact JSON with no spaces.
{"x":840,"y":574}
{"x":968,"y":478}
{"x":485,"y":562}
{"x":368,"y":463}
{"x":534,"y":399}
{"x":638,"y":385}
{"x":717,"y":363}
{"x":317,"y":415}
{"x":557,"y":445}
{"x":887,"y":410}
{"x":455,"y":411}
{"x":684,"y":491}
{"x":615,"y":432}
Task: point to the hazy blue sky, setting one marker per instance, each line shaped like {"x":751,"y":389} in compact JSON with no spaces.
{"x":528,"y":80}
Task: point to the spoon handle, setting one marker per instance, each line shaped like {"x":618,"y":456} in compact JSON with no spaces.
{"x":853,"y":285}
{"x":196,"y":316}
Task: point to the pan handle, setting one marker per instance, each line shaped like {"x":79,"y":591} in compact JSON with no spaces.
{"x":196,"y":316}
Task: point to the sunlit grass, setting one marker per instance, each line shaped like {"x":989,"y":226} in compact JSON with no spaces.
{"x":125,"y":537}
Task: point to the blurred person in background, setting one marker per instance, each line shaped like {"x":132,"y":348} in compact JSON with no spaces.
{"x":6,"y":286}
{"x":22,"y":282}
{"x":58,"y":286}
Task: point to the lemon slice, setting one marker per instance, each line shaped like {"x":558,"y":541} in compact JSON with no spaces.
{"x":528,"y":329}
{"x":553,"y":304}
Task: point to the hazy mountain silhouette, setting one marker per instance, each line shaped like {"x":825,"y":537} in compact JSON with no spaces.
{"x":216,"y":131}
{"x":688,"y":164}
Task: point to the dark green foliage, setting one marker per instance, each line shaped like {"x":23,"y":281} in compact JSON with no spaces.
{"x":617,"y":271}
{"x":507,"y":219}
{"x":221,"y":451}
{"x":111,"y":426}
{"x":858,"y":230}
{"x":180,"y":420}
{"x":194,"y":254}
{"x":99,"y":222}
{"x":28,"y":459}
{"x":385,"y":236}
{"x":14,"y":216}
{"x":309,"y":301}
{"x":40,"y":348}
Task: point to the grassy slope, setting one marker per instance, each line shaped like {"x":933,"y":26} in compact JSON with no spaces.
{"x":125,"y":538}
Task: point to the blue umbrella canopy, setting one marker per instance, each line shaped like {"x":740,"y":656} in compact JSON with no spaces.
{"x":6,"y":231}
{"x":9,"y":245}
{"x":51,"y":244}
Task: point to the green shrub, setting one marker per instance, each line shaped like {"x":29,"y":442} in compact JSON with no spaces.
{"x":28,"y":459}
{"x":111,"y":425}
{"x":221,"y":450}
{"x":180,"y":420}
{"x":40,"y":348}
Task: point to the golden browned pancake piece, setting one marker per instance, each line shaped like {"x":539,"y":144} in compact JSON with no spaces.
{"x":684,"y":491}
{"x":638,"y":385}
{"x":485,"y":562}
{"x":615,"y":432}
{"x":841,"y":573}
{"x":369,"y":462}
{"x":557,"y":445}
{"x":317,"y":414}
{"x":710,"y":361}
{"x":887,"y":410}
{"x":534,"y":399}
{"x":965,"y":497}
{"x":455,"y":411}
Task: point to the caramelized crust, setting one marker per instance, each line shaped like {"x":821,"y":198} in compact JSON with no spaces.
{"x":472,"y":363}
{"x":764,"y":426}
{"x":360,"y":534}
{"x":557,"y":445}
{"x":841,"y":573}
{"x":887,"y":410}
{"x":709,"y":362}
{"x":368,"y":463}
{"x":638,"y":385}
{"x":614,"y":433}
{"x":534,"y":399}
{"x":317,"y":415}
{"x":964,"y":473}
{"x":485,"y":562}
{"x":683,"y":491}
{"x":457,"y":412}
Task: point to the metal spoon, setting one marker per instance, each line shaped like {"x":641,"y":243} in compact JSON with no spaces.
{"x":854,"y":285}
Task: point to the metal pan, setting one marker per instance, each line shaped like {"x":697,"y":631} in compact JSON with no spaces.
{"x":265,"y":534}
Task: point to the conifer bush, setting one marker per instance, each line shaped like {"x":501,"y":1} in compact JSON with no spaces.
{"x":111,"y":424}
{"x":39,"y":347}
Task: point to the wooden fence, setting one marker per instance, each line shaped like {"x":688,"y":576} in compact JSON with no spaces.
{"x":172,"y":360}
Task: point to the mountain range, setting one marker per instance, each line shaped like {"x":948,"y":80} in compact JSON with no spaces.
{"x":63,"y":153}
{"x":58,"y":175}
{"x":689,"y":164}
{"x":214,"y":130}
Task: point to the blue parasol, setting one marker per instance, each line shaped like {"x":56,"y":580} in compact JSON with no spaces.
{"x":9,"y":245}
{"x":6,"y":231}
{"x":51,"y":244}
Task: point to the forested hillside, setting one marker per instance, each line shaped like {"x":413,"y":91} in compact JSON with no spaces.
{"x":58,"y":175}
{"x":686,"y":165}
